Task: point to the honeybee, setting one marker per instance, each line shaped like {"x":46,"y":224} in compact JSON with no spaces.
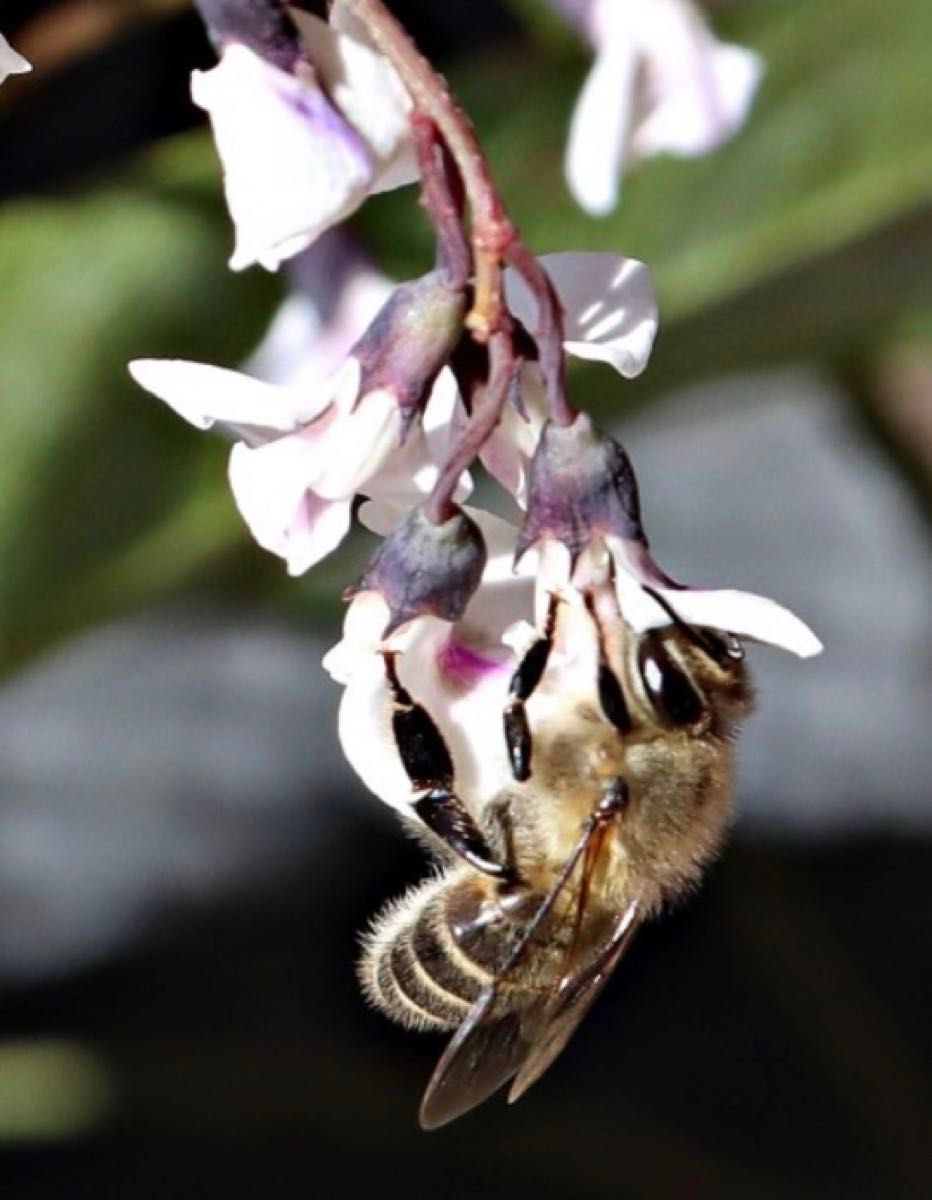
{"x":620,"y":796}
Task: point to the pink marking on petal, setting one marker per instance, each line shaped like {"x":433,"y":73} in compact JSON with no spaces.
{"x":464,"y":668}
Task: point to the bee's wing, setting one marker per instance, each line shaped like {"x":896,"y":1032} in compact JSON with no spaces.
{"x":517,"y":1029}
{"x":485,"y":1052}
{"x":568,"y":1004}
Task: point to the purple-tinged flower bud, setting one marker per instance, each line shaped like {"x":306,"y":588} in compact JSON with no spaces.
{"x":581,"y":485}
{"x":410,"y":340}
{"x":423,"y":569}
{"x":262,"y":25}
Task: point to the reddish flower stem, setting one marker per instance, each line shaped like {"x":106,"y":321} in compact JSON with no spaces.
{"x":494,"y":240}
{"x":549,"y":332}
{"x":492,"y":231}
{"x":440,"y":201}
{"x":487,"y":410}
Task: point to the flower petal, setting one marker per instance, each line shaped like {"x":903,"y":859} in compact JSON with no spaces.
{"x":356,"y":445}
{"x":269,"y":484}
{"x":508,"y":452}
{"x":292,"y":166}
{"x":317,"y":326}
{"x":205,"y":395}
{"x":365,"y":88}
{"x":697,"y":91}
{"x":463,"y":692}
{"x":609,"y":303}
{"x":742,"y":613}
{"x":599,"y":126}
{"x":11,"y":63}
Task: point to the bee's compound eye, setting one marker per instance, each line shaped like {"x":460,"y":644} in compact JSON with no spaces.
{"x":668,"y":687}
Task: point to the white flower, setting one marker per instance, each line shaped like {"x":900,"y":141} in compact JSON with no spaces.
{"x":460,"y":673}
{"x":11,"y":63}
{"x":335,"y":294}
{"x":304,"y":454}
{"x":610,"y":316}
{"x":661,"y":82}
{"x":302,"y":149}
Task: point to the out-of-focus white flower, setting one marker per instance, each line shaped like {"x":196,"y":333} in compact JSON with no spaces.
{"x":661,"y":82}
{"x":335,"y":293}
{"x":610,"y":316}
{"x":302,"y":148}
{"x":460,"y":672}
{"x":302,"y":455}
{"x":11,"y":63}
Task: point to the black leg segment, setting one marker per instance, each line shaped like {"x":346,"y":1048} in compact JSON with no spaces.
{"x":428,"y":764}
{"x":523,"y":684}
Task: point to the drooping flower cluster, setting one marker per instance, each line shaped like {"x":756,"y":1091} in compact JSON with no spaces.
{"x":405,"y":389}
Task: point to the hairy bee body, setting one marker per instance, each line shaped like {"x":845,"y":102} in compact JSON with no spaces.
{"x":431,"y":956}
{"x":626,"y":798}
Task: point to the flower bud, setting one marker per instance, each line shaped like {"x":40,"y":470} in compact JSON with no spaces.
{"x":423,"y":569}
{"x":581,"y":484}
{"x":410,"y":340}
{"x":262,"y":25}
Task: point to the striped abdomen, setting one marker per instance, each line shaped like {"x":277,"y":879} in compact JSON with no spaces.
{"x":430,"y":955}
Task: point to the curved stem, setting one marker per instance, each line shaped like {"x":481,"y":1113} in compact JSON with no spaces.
{"x":549,"y":332}
{"x":443,"y":205}
{"x":486,"y":414}
{"x":492,"y":231}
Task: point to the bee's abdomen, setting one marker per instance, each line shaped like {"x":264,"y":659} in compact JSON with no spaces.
{"x":416,"y":964}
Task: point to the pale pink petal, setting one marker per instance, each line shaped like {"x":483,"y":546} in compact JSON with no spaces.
{"x":365,"y":730}
{"x":365,"y":88}
{"x":410,"y":472}
{"x":601,"y":120}
{"x":11,"y":63}
{"x":741,"y":613}
{"x":464,"y":695}
{"x":206,"y":395}
{"x":508,"y":452}
{"x":269,"y":484}
{"x":316,"y":529}
{"x":356,"y":446}
{"x":292,"y":166}
{"x":610,"y":307}
{"x":696,"y":91}
{"x":309,"y":338}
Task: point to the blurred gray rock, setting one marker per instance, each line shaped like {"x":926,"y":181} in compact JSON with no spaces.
{"x":159,"y":763}
{"x":166,"y":761}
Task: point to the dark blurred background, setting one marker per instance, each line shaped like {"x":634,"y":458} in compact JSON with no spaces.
{"x":186,"y":861}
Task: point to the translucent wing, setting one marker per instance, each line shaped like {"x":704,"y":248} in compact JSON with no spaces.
{"x":541,"y":991}
{"x":485,"y":1052}
{"x":573,"y":998}
{"x":518,"y":1030}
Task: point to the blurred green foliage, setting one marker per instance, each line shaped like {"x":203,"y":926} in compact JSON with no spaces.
{"x":809,"y":235}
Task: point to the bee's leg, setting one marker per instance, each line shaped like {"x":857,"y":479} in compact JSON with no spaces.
{"x":611,"y":694}
{"x":523,"y":683}
{"x":500,"y":823}
{"x":427,"y":763}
